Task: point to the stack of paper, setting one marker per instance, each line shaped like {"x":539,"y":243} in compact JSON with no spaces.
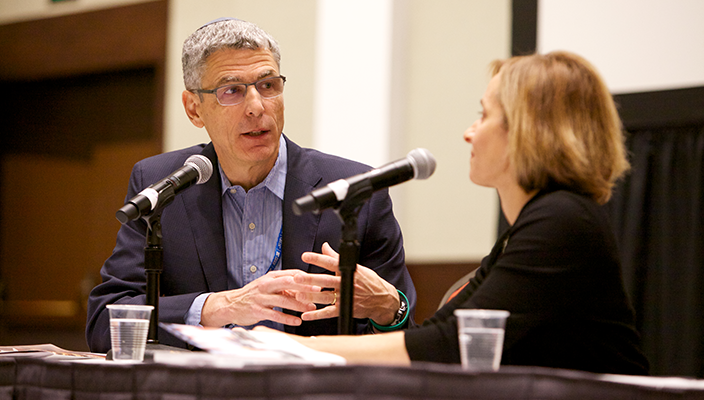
{"x":238,"y":347}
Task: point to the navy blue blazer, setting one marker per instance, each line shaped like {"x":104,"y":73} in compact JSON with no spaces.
{"x":194,"y":245}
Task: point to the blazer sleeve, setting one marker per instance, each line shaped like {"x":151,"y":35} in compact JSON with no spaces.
{"x":123,"y":273}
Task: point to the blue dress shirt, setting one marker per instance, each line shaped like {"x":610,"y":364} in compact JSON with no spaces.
{"x":252,"y":221}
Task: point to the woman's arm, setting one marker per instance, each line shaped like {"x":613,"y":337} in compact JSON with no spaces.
{"x":386,"y":348}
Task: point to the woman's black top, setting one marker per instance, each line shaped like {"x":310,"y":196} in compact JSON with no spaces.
{"x":557,"y":271}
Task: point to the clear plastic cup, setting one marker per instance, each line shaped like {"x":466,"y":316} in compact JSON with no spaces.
{"x":481,"y":337}
{"x":129,"y":325}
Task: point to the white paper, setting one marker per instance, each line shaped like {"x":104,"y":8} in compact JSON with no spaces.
{"x":238,"y":347}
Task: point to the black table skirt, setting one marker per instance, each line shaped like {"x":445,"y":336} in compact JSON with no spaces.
{"x":33,"y":378}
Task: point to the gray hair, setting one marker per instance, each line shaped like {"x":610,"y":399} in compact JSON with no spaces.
{"x":222,"y":33}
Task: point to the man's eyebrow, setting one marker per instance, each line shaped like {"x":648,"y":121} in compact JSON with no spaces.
{"x":230,"y":79}
{"x":266,"y":74}
{"x":226,"y":80}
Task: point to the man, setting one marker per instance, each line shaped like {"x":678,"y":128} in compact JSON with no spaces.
{"x":222,"y":239}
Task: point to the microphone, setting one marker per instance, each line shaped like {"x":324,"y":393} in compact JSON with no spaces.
{"x":418,"y":164}
{"x":197,"y":168}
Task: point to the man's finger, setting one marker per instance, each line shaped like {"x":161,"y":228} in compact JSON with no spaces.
{"x":323,"y":261}
{"x":323,"y":313}
{"x":326,"y":297}
{"x":328,"y":251}
{"x":284,"y":272}
{"x":318,"y":280}
{"x":286,"y":283}
{"x":291,"y":303}
{"x":278,"y":316}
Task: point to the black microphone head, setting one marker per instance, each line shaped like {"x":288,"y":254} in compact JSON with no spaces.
{"x":423,"y":163}
{"x":201,"y":164}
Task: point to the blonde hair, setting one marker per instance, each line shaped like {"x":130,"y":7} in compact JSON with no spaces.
{"x":564,"y":130}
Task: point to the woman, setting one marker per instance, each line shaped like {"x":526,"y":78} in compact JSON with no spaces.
{"x":549,"y":140}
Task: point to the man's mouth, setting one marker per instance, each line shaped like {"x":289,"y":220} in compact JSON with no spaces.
{"x":256,"y":133}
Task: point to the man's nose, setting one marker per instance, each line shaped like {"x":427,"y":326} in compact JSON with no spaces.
{"x":253,"y":101}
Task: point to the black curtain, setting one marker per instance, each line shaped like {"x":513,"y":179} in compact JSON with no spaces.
{"x":657,"y":212}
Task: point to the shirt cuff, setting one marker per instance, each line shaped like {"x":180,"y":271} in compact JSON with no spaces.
{"x":193,"y":315}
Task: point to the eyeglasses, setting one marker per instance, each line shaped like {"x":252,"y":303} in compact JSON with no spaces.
{"x":230,"y":95}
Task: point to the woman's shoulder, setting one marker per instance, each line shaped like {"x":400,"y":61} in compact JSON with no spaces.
{"x":563,"y":229}
{"x":563,"y":211}
{"x":561,"y":202}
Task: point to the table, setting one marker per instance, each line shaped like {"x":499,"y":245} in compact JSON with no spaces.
{"x":37,"y":378}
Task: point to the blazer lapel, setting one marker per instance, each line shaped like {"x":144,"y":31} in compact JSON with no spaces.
{"x":299,"y":230}
{"x":204,"y":209}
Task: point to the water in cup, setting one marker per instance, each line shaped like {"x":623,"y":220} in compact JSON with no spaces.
{"x":481,"y":347}
{"x":481,"y":338}
{"x":128,"y":337}
{"x":129,"y":326}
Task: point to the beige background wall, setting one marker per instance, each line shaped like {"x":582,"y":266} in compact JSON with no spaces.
{"x":450,"y":45}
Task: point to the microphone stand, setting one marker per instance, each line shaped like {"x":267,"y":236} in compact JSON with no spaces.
{"x":153,"y":265}
{"x":154,"y":260}
{"x":348,"y":212}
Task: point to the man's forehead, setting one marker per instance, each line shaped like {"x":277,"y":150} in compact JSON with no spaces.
{"x":240,"y":66}
{"x":240,"y":58}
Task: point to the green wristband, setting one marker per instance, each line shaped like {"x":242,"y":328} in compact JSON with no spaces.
{"x":401,"y":316}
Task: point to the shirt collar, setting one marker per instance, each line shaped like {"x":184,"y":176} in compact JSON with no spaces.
{"x":275,"y":181}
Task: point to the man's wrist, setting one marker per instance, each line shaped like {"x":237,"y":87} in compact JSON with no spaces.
{"x":385,"y":313}
{"x":193,"y":316}
{"x":210,"y":313}
{"x":400,"y":318}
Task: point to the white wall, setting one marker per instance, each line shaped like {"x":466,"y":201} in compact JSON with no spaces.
{"x":450,"y":44}
{"x":353,"y":79}
{"x":637,"y":45}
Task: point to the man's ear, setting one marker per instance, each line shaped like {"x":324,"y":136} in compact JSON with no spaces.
{"x":191,"y":103}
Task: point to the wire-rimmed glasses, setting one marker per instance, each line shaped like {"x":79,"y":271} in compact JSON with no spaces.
{"x":233,"y":94}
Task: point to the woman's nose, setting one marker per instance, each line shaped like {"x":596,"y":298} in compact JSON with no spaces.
{"x":469,"y":134}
